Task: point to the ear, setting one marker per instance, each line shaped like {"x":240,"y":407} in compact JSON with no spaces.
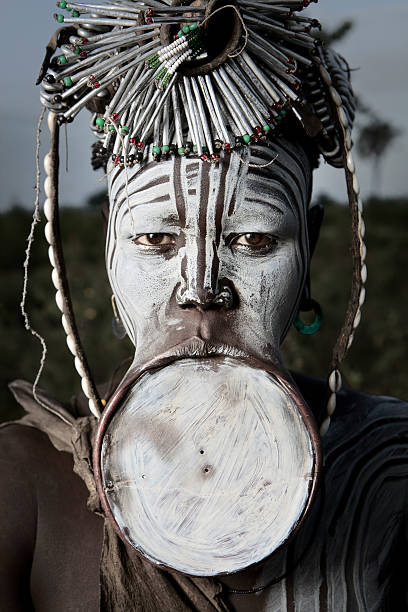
{"x":314,"y":222}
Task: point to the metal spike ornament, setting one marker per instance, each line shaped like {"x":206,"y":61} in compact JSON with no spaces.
{"x":224,"y":75}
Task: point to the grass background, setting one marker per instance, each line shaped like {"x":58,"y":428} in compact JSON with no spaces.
{"x":376,"y":363}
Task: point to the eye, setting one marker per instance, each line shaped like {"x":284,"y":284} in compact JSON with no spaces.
{"x":154,"y":240}
{"x":255,"y":241}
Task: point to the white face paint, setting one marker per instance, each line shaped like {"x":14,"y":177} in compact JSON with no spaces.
{"x":208,"y":260}
{"x":182,"y":231}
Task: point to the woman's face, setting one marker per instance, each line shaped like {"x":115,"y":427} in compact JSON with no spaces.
{"x":217,"y":252}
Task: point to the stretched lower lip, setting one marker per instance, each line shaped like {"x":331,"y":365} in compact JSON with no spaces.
{"x":197,"y":349}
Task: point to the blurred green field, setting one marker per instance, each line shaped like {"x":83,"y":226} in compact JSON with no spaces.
{"x":376,"y":363}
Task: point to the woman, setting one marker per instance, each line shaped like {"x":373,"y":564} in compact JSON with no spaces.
{"x":204,"y":471}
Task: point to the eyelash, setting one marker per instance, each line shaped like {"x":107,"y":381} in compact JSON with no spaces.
{"x":231,"y":242}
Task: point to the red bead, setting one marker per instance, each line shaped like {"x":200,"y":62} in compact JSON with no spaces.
{"x":140,"y":145}
{"x":306,"y":3}
{"x":258,"y":129}
{"x":83,"y":54}
{"x":149,"y":20}
{"x":227,"y":146}
{"x":132,"y":140}
{"x":92,"y":78}
{"x":115,"y":117}
{"x":85,"y":41}
{"x":96,"y":84}
{"x":117,"y":160}
{"x":276,"y":105}
{"x":150,"y":12}
{"x":214,"y":156}
{"x":204,"y":157}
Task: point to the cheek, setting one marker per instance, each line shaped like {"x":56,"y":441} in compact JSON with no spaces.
{"x":143,"y":285}
{"x":269,"y":290}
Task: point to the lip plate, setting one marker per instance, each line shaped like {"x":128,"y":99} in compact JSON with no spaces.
{"x":198,"y":349}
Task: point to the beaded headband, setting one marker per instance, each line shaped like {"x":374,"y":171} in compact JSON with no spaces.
{"x":194,"y":79}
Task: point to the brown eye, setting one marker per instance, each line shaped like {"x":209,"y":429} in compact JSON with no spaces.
{"x":258,"y":241}
{"x":154,"y":240}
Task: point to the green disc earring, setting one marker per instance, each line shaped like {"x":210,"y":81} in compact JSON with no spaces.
{"x":312,"y":328}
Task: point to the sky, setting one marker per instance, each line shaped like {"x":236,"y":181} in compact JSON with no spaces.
{"x":376,"y":48}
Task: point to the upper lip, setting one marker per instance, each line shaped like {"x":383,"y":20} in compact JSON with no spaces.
{"x":198,"y":348}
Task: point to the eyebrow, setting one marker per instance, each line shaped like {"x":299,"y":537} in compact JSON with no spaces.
{"x":265,"y":203}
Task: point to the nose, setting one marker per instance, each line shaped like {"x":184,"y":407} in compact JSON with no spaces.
{"x":205,"y":299}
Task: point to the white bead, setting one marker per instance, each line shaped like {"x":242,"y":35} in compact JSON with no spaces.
{"x":350,"y":342}
{"x":350,"y":163}
{"x":65,"y":325}
{"x":79,"y":367}
{"x":356,"y":185}
{"x":50,"y":120}
{"x":335,"y":97}
{"x":71,"y":344}
{"x":59,"y":300}
{"x":363,"y":252}
{"x":362,"y":228}
{"x":49,"y":233}
{"x":51,"y":256}
{"x":86,"y":387}
{"x":360,"y":205}
{"x":325,"y":426}
{"x":335,"y":381}
{"x":48,"y":209}
{"x":347,"y":138}
{"x":331,"y":404}
{"x":364,"y":274}
{"x":325,"y":75}
{"x":357,"y":320}
{"x":47,"y":163}
{"x":47,"y":186}
{"x":94,"y":409}
{"x":362,"y":296}
{"x":342,"y":117}
{"x":55,"y":279}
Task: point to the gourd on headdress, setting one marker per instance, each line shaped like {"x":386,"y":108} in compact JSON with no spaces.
{"x":196,"y":79}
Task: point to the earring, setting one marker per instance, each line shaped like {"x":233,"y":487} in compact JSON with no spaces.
{"x":312,"y":328}
{"x":117,"y":326}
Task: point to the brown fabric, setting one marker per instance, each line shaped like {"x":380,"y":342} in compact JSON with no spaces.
{"x":127,"y":581}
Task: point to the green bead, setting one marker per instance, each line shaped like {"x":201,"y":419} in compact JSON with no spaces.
{"x":156,"y":149}
{"x":62,"y":60}
{"x":62,"y":4}
{"x":111,"y":128}
{"x":246,"y":138}
{"x":180,"y":34}
{"x":77,"y":50}
{"x":60,"y":18}
{"x":75,"y":14}
{"x":125,"y":130}
{"x":193,"y":27}
{"x":100,"y":122}
{"x":205,"y":149}
{"x":186,"y":29}
{"x":181,"y":150}
{"x":165,"y":149}
{"x":195,"y":148}
{"x":67,"y":81}
{"x":283,"y":112}
{"x":266,"y":128}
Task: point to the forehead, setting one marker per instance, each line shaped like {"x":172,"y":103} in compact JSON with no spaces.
{"x":266,"y":175}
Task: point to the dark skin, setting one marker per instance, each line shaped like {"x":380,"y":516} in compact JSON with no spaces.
{"x":50,"y":543}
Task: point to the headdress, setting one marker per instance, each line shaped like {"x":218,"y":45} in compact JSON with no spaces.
{"x":194,"y":79}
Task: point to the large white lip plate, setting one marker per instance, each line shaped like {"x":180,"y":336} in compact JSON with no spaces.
{"x":207,"y":466}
